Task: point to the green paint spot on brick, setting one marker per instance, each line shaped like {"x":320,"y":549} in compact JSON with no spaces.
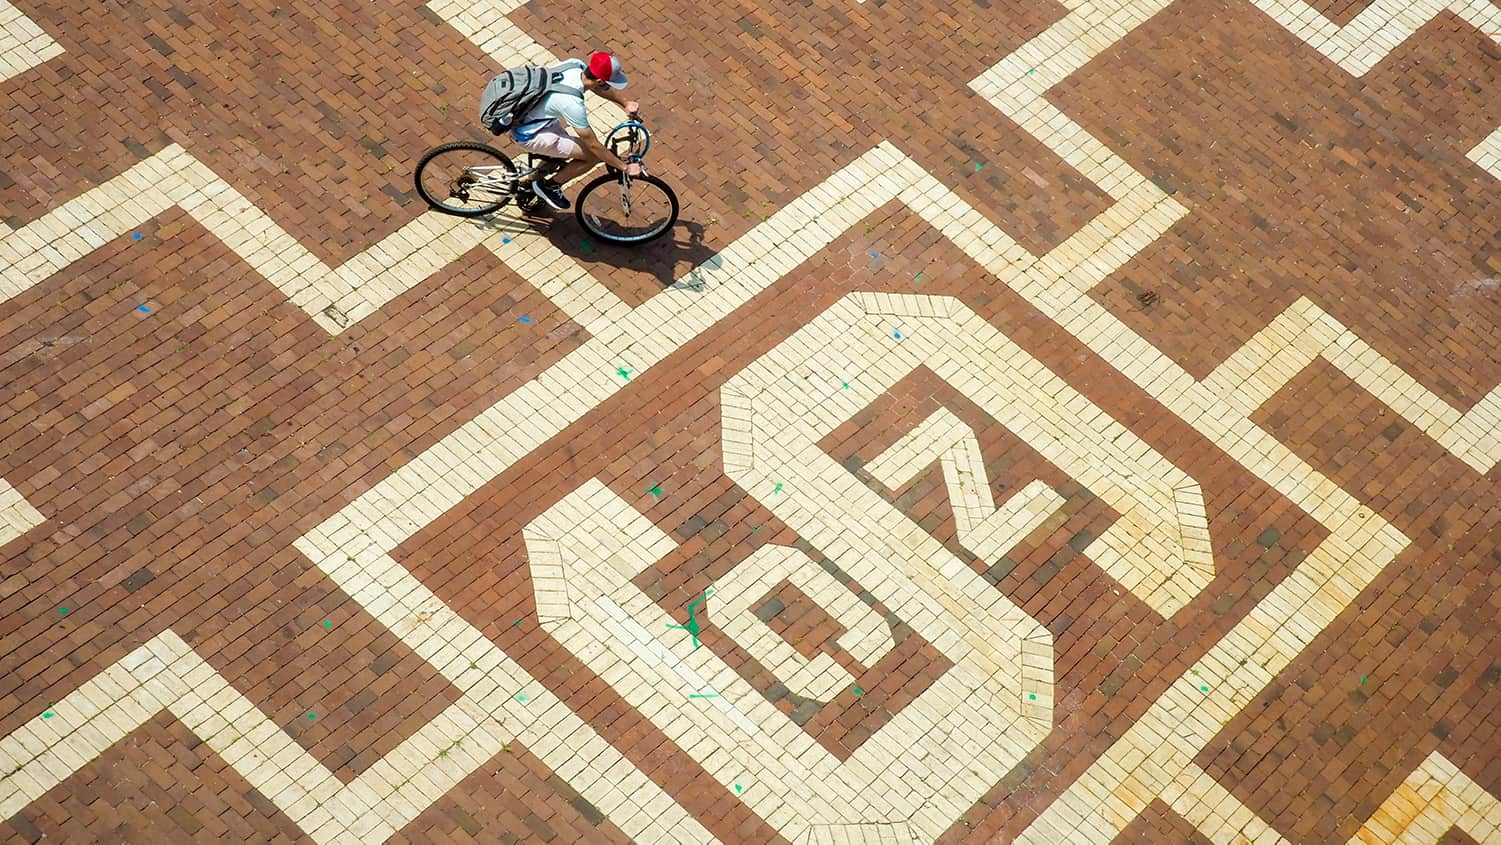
{"x":63,"y":611}
{"x":623,"y":373}
{"x":859,"y":692}
{"x":1204,"y":689}
{"x":778,"y":488}
{"x":328,"y":623}
{"x":978,"y":166}
{"x":1031,"y":696}
{"x":694,"y":626}
{"x":312,"y":716}
{"x":738,"y":789}
{"x":846,"y":385}
{"x":47,"y":714}
{"x":521,"y":697}
{"x":1031,"y":70}
{"x":1362,"y":679}
{"x":516,"y":624}
{"x":655,"y":491}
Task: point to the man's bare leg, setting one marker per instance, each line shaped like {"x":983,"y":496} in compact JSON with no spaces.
{"x":574,"y":169}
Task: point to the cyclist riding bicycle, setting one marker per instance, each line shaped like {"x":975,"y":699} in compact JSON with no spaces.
{"x":545,"y":130}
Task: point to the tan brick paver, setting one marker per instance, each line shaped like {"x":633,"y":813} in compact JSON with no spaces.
{"x":1047,"y":423}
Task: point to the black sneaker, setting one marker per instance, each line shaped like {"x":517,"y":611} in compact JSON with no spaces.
{"x":548,"y":191}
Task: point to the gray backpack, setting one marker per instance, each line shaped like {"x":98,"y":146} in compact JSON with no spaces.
{"x":513,"y":93}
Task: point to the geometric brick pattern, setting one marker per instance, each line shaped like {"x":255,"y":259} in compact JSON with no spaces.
{"x":23,"y":45}
{"x":17,"y":516}
{"x":1434,"y":798}
{"x":1109,"y":457}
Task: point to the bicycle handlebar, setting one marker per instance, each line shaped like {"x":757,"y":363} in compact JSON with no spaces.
{"x":631,"y":123}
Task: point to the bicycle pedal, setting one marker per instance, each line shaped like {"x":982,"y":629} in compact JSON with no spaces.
{"x":530,"y":206}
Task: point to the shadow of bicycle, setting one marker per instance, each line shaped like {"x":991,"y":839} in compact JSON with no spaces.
{"x":665,"y":258}
{"x":661,"y":259}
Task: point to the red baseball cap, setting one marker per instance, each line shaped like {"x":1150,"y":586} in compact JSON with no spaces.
{"x":606,"y":66}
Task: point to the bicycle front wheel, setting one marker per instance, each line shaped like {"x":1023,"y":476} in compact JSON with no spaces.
{"x":465,"y":179}
{"x":627,"y":211}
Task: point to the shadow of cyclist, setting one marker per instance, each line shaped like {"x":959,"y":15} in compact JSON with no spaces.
{"x":676,"y":260}
{"x":673,"y":259}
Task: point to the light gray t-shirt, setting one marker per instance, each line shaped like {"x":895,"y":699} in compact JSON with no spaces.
{"x":564,"y":107}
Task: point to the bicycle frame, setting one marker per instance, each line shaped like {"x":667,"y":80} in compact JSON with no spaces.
{"x":494,"y":178}
{"x":644,"y":208}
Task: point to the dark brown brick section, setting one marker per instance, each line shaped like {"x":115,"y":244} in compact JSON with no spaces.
{"x":1340,"y":12}
{"x":1411,"y":667}
{"x":1356,"y":193}
{"x":316,"y":117}
{"x":193,"y":444}
{"x":1455,"y":836}
{"x":1159,"y":825}
{"x":510,"y":799}
{"x":159,"y":784}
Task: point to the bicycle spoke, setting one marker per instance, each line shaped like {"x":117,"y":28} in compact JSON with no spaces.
{"x":465,"y":179}
{"x":627,"y":210}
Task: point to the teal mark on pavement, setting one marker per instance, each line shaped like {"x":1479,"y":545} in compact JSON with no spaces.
{"x":328,"y":623}
{"x":778,"y":488}
{"x":63,"y":611}
{"x":623,"y":373}
{"x":1031,"y":696}
{"x":47,"y":714}
{"x":738,"y":789}
{"x":655,"y":490}
{"x":693,"y":627}
{"x":703,"y":695}
{"x":312,"y":716}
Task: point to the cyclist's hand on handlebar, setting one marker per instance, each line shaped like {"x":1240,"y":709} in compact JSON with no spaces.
{"x":631,"y":107}
{"x":633,"y":169}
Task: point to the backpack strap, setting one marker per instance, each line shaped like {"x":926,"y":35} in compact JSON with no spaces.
{"x":558,"y":87}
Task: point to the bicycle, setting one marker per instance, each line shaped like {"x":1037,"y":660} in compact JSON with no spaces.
{"x":470,"y":179}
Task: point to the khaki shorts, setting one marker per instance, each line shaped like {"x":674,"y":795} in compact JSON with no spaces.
{"x":552,"y":140}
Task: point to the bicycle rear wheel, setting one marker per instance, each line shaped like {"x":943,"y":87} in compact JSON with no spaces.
{"x":627,"y":211}
{"x":465,"y":179}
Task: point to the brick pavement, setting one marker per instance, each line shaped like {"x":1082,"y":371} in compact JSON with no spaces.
{"x":1091,"y":436}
